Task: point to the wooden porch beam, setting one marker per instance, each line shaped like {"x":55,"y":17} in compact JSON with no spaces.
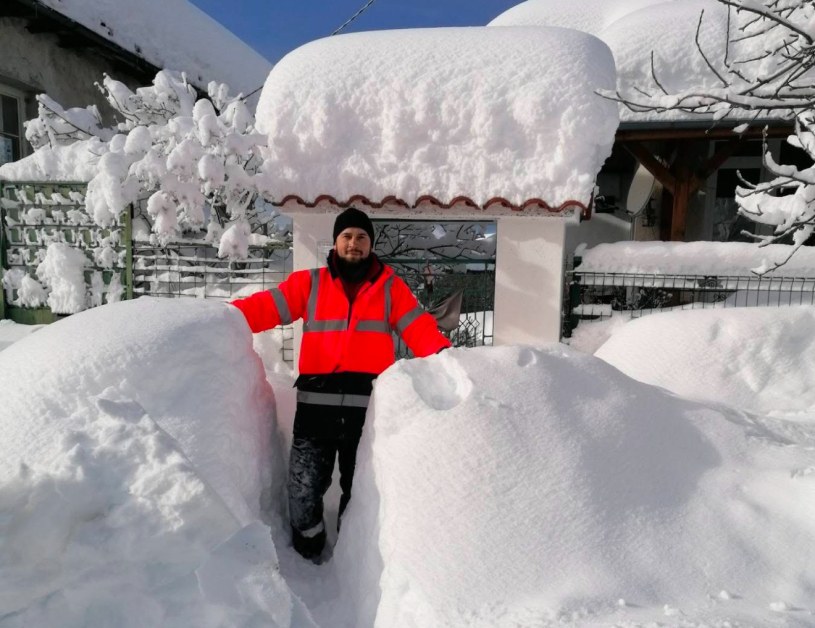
{"x":718,"y":158}
{"x":644,"y":135}
{"x":652,"y":164}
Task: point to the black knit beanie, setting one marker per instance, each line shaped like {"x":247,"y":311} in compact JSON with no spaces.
{"x":353,"y":217}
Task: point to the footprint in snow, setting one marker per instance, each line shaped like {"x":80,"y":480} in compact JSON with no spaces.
{"x":527,"y":357}
{"x":112,"y":403}
{"x":442,"y":384}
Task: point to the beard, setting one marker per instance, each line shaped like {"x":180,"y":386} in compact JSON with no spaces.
{"x":353,"y":270}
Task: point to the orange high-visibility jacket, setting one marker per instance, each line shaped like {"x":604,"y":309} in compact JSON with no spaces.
{"x":340,"y":337}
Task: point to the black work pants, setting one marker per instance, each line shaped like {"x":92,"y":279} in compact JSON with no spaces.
{"x":321,"y":435}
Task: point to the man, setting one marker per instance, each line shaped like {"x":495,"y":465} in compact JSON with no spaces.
{"x":349,"y":309}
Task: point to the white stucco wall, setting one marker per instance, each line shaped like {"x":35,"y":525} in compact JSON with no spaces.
{"x":34,"y":63}
{"x":528,"y":280}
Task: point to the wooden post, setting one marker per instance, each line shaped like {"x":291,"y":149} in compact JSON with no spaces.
{"x":2,"y":255}
{"x":679,"y":215}
{"x":666,"y":215}
{"x":128,"y":238}
{"x":679,"y":181}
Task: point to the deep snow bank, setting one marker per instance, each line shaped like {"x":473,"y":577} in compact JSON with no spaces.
{"x":511,"y":486}
{"x":137,"y":443}
{"x":11,"y":332}
{"x":759,"y":359}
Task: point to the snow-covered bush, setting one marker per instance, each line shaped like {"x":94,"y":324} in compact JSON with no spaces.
{"x":193,"y":160}
{"x":63,"y":271}
{"x":56,"y":126}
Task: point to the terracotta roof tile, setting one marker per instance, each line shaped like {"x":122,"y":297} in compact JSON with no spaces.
{"x":532,"y":205}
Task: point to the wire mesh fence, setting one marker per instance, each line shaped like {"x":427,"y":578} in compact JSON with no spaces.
{"x":36,"y":215}
{"x":194,"y":270}
{"x":593,"y":296}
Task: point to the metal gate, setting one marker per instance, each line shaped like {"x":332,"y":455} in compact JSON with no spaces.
{"x":440,"y":259}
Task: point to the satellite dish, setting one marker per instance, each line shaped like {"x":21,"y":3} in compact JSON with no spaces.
{"x":640,"y":191}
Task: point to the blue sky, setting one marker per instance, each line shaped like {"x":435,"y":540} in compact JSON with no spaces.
{"x":275,"y":27}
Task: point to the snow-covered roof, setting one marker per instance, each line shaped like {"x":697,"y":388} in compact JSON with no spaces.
{"x":172,"y":34}
{"x":635,"y":28}
{"x":502,"y":119}
{"x":589,"y":16}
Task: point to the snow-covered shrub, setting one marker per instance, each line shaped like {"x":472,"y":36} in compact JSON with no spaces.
{"x":30,"y":292}
{"x":63,"y":271}
{"x":55,"y":125}
{"x":194,"y":160}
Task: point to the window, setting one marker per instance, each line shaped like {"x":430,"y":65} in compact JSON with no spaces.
{"x":11,"y":125}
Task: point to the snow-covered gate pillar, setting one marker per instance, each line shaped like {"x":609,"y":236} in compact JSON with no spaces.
{"x":528,"y":280}
{"x":513,"y":143}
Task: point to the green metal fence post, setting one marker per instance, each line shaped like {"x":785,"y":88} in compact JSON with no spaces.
{"x":2,"y":254}
{"x":128,"y":237}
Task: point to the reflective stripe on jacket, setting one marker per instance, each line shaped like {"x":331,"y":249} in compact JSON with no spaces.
{"x":337,"y":336}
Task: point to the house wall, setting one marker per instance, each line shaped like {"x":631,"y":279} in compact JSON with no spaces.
{"x":34,"y":63}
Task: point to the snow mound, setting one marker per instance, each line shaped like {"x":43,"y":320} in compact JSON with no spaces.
{"x":761,"y":359}
{"x":516,"y":487}
{"x":138,"y":447}
{"x":11,"y":332}
{"x":445,"y":112}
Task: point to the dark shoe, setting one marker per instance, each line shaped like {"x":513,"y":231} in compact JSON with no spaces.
{"x":309,"y":547}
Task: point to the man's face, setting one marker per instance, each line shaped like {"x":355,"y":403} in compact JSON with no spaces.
{"x":353,"y":245}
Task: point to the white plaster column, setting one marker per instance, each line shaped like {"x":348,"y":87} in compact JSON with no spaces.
{"x":311,"y":241}
{"x":311,"y":235}
{"x":528,"y":280}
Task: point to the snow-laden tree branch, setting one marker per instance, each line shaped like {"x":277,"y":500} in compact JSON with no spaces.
{"x":763,"y":69}
{"x":434,"y":241}
{"x":195,"y":161}
{"x":56,"y":126}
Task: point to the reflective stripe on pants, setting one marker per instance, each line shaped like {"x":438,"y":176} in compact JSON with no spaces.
{"x":332,"y":399}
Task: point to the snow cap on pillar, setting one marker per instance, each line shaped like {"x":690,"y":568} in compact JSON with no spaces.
{"x":497,"y":121}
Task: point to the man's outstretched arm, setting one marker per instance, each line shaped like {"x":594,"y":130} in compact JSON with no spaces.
{"x":278,"y":306}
